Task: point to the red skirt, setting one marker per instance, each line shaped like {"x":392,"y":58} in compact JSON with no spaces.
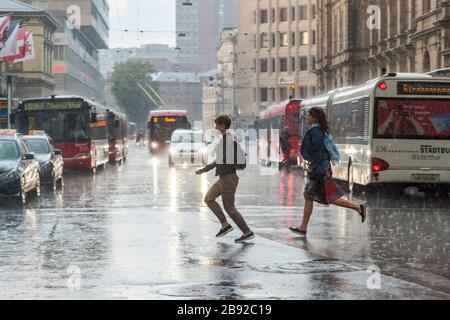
{"x":321,"y":186}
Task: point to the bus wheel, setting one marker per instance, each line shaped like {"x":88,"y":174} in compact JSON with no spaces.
{"x":350,"y":178}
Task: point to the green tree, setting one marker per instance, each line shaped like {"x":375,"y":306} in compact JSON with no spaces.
{"x":130,"y":82}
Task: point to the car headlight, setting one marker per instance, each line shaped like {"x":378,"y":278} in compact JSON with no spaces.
{"x":155,"y":145}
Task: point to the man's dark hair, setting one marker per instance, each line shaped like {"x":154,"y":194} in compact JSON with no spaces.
{"x":224,"y":120}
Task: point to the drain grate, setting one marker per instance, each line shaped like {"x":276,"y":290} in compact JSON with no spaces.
{"x":307,"y":267}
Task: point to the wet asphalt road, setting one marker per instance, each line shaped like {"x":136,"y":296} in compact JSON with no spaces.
{"x":141,"y":231}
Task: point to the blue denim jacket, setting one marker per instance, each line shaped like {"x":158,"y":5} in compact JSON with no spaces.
{"x":313,"y":147}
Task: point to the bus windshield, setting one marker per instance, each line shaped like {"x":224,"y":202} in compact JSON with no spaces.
{"x":412,"y":119}
{"x":161,"y":130}
{"x":71,"y":126}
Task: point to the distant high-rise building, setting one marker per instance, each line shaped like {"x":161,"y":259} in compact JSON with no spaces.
{"x":83,"y":30}
{"x":199,"y":24}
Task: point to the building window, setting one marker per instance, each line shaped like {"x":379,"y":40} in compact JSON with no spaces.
{"x":293,"y":39}
{"x":313,"y":62}
{"x":283,"y":93}
{"x":274,"y":65}
{"x":284,"y":40}
{"x":283,"y":14}
{"x":274,"y":40}
{"x":313,"y":11}
{"x":263,"y":16}
{"x":264,"y":95}
{"x":303,"y":64}
{"x":304,"y":92}
{"x":274,"y":15}
{"x":293,"y":64}
{"x":264,"y":40}
{"x":304,"y":38}
{"x":263,"y":64}
{"x":313,"y":91}
{"x":293,"y":14}
{"x":313,"y":37}
{"x":283,"y":64}
{"x":303,"y":12}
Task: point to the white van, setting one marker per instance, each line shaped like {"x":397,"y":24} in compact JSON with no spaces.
{"x":187,"y":148}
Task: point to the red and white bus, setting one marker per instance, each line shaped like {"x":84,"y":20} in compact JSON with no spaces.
{"x":78,"y":127}
{"x":117,"y":136}
{"x":278,"y":121}
{"x":162,"y":124}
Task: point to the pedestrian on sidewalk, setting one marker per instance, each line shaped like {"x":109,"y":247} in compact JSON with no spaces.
{"x":321,"y":187}
{"x":229,"y":158}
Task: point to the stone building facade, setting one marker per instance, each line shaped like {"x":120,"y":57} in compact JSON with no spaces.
{"x":361,"y":40}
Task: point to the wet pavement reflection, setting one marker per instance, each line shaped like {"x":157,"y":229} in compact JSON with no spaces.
{"x":142,"y":231}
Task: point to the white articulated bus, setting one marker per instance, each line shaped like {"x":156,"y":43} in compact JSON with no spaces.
{"x":394,"y":129}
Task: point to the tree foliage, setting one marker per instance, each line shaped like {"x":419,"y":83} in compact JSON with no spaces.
{"x":130,"y":97}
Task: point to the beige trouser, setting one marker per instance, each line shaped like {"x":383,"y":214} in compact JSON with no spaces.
{"x":226,"y":187}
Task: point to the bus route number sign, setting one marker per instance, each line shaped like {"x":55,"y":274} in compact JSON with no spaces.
{"x":424,"y":88}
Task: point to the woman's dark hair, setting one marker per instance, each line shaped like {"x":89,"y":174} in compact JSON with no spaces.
{"x":224,"y":120}
{"x":321,"y":117}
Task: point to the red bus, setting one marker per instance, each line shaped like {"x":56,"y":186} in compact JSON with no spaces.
{"x":78,"y":127}
{"x":280,"y":121}
{"x":117,"y":136}
{"x":161,"y":125}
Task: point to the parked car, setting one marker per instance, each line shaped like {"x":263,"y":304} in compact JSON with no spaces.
{"x":19,"y":169}
{"x":187,"y":148}
{"x":51,"y":162}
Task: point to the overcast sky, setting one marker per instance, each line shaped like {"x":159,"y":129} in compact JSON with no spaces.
{"x":155,"y":15}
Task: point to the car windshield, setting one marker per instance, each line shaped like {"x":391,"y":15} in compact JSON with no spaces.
{"x":8,"y":150}
{"x":40,"y":146}
{"x":188,"y":137}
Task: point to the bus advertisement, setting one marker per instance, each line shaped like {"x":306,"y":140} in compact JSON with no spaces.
{"x":78,"y":127}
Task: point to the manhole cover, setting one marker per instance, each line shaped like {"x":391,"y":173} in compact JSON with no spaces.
{"x":199,"y":291}
{"x":307,"y":267}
